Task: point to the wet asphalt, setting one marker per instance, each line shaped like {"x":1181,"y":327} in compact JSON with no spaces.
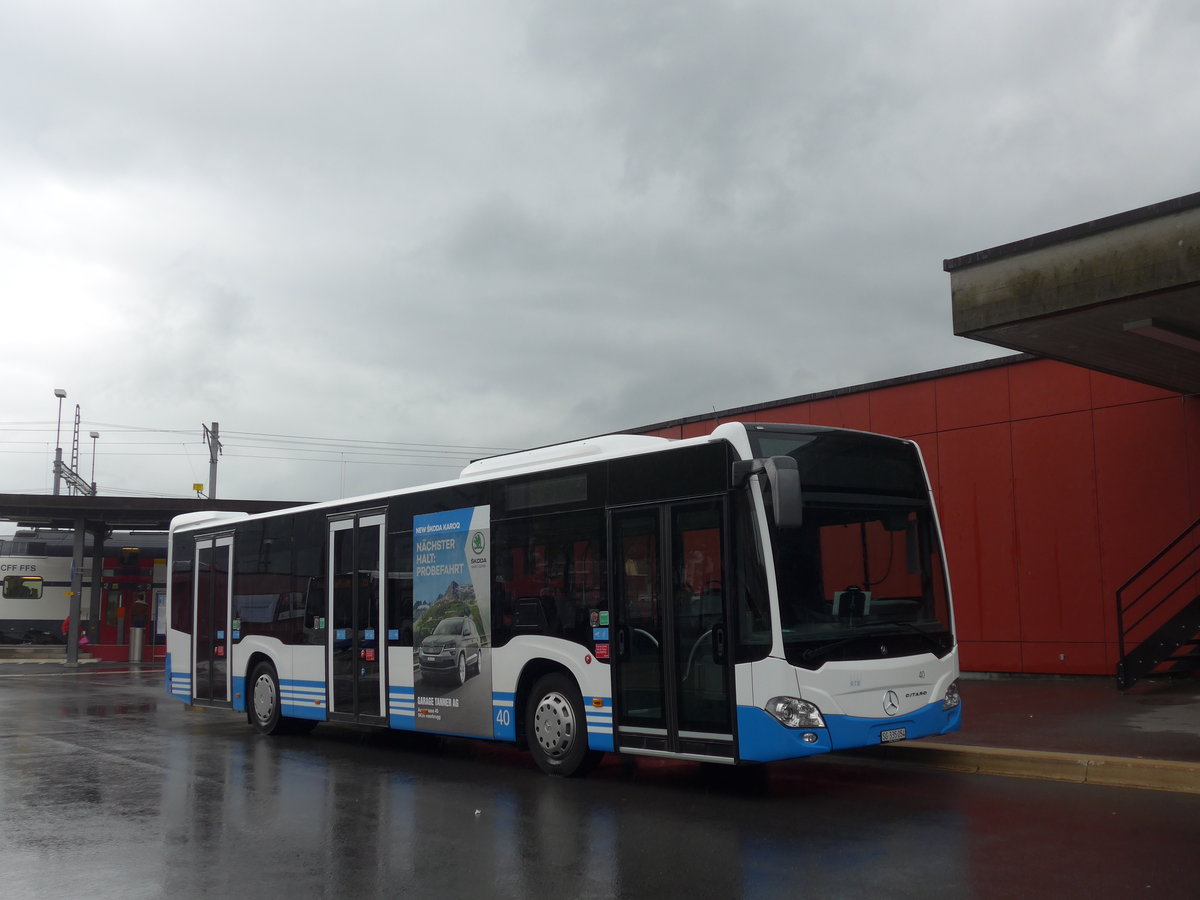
{"x":108,"y":788}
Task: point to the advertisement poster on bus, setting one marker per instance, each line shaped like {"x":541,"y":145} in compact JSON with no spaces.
{"x":452,"y":620}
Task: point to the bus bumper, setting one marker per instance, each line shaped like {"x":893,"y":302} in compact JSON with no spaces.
{"x":763,"y":739}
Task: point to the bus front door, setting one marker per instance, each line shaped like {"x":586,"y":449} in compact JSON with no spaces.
{"x":356,"y":645}
{"x":211,"y":638}
{"x":672,"y":671}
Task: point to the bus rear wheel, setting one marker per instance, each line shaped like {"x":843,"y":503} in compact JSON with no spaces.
{"x":263,"y":700}
{"x":556,"y":727}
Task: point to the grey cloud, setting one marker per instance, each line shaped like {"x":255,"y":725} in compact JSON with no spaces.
{"x":505,"y":224}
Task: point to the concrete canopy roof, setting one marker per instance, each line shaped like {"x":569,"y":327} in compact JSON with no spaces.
{"x":1119,"y":295}
{"x":120,"y":513}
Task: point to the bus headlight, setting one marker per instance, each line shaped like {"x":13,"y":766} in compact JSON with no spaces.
{"x":795,"y":713}
{"x":952,"y":699}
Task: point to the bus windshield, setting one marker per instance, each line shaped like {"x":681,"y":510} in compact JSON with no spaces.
{"x":862,"y":578}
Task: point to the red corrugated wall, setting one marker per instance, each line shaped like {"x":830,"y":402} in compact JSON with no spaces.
{"x":1054,"y":485}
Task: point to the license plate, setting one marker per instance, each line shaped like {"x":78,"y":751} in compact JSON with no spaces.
{"x":895,"y":734}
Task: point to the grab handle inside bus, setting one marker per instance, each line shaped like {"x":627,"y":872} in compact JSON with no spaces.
{"x":718,"y":643}
{"x":783,"y":476}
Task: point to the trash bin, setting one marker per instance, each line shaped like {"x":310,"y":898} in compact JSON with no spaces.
{"x":136,"y":639}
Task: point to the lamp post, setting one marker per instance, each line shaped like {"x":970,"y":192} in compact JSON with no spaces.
{"x":61,"y":395}
{"x":93,"y":435}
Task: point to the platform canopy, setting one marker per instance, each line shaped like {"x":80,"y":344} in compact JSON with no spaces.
{"x":1119,"y":295}
{"x":117,"y":513}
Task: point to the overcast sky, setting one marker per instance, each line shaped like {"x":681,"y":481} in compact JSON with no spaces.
{"x":425,"y":229}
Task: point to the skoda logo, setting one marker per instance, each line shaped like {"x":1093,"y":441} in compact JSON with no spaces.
{"x":891,"y":703}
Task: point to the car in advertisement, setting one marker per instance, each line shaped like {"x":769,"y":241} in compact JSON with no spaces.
{"x":452,"y":652}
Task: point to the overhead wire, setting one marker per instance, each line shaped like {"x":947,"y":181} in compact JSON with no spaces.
{"x":290,"y":447}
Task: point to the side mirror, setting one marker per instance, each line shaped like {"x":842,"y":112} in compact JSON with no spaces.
{"x":783,"y":476}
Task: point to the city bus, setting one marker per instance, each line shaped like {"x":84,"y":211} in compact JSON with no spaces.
{"x":761,"y":593}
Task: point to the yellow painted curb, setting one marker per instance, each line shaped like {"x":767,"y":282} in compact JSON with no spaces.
{"x":1080,"y":768}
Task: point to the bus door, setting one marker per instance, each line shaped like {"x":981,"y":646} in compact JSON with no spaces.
{"x":213,"y":596}
{"x":356,"y":645}
{"x":673,"y":668}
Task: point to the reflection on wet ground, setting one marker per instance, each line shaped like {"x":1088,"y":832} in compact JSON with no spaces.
{"x":109,"y":788}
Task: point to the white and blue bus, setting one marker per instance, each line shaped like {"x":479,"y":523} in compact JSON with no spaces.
{"x":761,"y":593}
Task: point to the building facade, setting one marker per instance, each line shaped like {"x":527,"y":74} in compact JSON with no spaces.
{"x":1054,"y":483}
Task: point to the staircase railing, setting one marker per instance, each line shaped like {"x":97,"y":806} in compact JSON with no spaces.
{"x":1170,"y":591}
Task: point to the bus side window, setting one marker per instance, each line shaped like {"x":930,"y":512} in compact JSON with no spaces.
{"x":184,"y":553}
{"x":753,"y":637}
{"x":548,"y":575}
{"x":308,"y":574}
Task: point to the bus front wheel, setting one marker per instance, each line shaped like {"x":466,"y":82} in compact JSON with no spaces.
{"x":556,"y":727}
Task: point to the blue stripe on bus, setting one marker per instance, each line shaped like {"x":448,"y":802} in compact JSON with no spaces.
{"x":179,"y":684}
{"x":303,"y":711}
{"x":599,"y":723}
{"x":402,"y":707}
{"x":601,"y":742}
{"x":762,"y":739}
{"x":292,"y":690}
{"x":302,"y":699}
{"x":299,"y":683}
{"x":239,"y":693}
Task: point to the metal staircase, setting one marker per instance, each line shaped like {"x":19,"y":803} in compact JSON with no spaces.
{"x":1158,"y":614}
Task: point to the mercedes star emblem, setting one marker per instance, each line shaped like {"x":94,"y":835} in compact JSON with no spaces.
{"x":891,"y":703}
